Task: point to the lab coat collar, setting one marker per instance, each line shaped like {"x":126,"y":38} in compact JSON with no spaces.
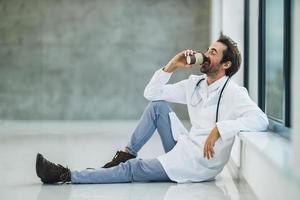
{"x":217,"y":85}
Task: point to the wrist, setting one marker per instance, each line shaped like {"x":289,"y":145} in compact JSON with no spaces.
{"x":170,"y":67}
{"x":217,"y":132}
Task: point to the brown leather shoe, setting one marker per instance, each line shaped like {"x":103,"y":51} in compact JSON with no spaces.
{"x":120,"y":157}
{"x":49,"y":172}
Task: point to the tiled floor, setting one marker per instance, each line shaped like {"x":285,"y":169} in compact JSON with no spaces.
{"x":90,"y":144}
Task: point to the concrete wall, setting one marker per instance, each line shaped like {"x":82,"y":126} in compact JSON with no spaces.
{"x":79,"y":59}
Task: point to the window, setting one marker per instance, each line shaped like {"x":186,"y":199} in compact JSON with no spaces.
{"x":273,"y":61}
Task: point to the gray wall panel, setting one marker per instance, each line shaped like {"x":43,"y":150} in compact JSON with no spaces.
{"x":91,"y":59}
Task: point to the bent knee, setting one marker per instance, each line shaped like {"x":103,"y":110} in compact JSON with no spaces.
{"x":160,"y":106}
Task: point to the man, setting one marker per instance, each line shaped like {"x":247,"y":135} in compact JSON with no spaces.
{"x":218,"y":110}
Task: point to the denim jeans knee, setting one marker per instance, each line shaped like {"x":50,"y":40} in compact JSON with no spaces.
{"x":160,"y":106}
{"x":155,"y":117}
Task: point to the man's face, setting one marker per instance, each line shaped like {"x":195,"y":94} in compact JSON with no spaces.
{"x":215,"y":55}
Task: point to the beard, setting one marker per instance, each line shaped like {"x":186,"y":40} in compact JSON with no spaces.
{"x":207,"y":68}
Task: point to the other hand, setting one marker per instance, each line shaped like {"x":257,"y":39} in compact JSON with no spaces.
{"x":208,"y":150}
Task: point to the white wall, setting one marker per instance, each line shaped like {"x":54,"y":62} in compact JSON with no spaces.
{"x":296,"y":87}
{"x":253,"y":47}
{"x":222,"y":15}
{"x":233,"y":26}
{"x":215,"y":20}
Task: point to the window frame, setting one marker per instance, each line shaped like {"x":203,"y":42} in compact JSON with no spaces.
{"x":282,"y":129}
{"x":246,"y":44}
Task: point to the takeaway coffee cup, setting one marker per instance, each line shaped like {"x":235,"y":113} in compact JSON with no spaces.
{"x":198,"y":58}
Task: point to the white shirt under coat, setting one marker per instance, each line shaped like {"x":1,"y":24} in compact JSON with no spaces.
{"x":237,"y":112}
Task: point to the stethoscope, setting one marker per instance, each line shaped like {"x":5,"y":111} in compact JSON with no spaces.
{"x":218,"y":105}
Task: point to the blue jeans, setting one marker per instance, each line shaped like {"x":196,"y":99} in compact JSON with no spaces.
{"x":155,"y":117}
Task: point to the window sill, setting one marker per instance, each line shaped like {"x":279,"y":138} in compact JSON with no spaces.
{"x":275,"y":150}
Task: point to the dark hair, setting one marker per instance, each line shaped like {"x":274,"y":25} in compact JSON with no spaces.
{"x":230,"y":54}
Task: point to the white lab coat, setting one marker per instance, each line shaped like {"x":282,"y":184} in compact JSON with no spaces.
{"x":237,"y":112}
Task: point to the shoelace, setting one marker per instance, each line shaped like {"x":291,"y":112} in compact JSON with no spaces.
{"x":117,"y":154}
{"x":64,"y":173}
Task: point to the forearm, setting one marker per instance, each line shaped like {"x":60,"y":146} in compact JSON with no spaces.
{"x":254,"y":121}
{"x":170,"y":67}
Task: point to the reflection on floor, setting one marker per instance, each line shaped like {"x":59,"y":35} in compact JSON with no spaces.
{"x":90,"y":144}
